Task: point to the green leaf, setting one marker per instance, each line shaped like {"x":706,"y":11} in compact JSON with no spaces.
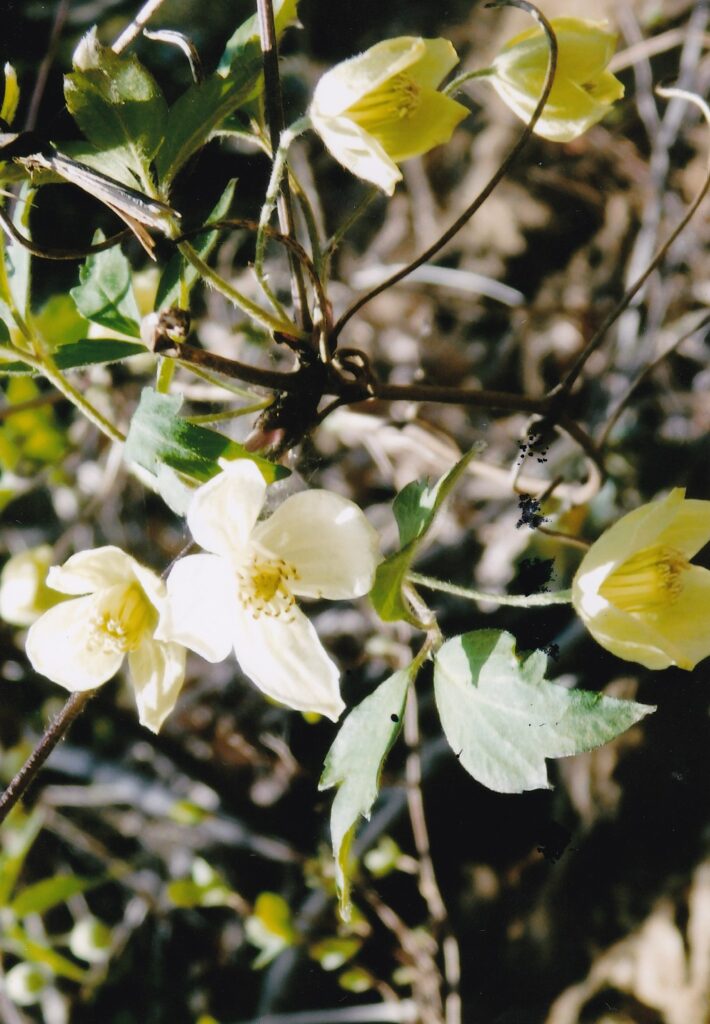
{"x":196,"y":114}
{"x":120,"y":109}
{"x":105,"y":293}
{"x":158,"y":435}
{"x":270,"y":928}
{"x":19,"y":833}
{"x":17,"y":260}
{"x":169,"y":288}
{"x":20,"y":943}
{"x":354,"y":763}
{"x":415,"y":509}
{"x":88,"y":352}
{"x":333,"y":952}
{"x":37,"y":898}
{"x":284,"y":14}
{"x":502,"y":718}
{"x":59,"y":322}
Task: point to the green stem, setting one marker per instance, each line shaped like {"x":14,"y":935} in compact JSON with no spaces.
{"x":272,"y":323}
{"x":47,"y":368}
{"x":514,"y":600}
{"x":456,"y":83}
{"x":272,"y":193}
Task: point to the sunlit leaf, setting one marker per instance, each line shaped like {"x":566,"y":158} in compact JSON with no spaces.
{"x":502,"y":718}
{"x":270,"y":928}
{"x":415,"y":509}
{"x":41,"y":896}
{"x":120,"y":109}
{"x":354,"y":763}
{"x":158,"y":435}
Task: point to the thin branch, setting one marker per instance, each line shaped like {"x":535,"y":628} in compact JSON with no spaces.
{"x":134,"y":29}
{"x":428,"y":885}
{"x":273,"y":108}
{"x":561,"y":392}
{"x":540,"y":600}
{"x":480,"y":199}
{"x":643,"y":375}
{"x":56,"y":731}
{"x":59,"y":254}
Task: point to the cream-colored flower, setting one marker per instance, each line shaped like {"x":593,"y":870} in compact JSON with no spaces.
{"x":82,"y":643}
{"x":637,"y":592}
{"x":583,"y":90}
{"x":242,"y":595}
{"x":382,"y":107}
{"x":24,"y":594}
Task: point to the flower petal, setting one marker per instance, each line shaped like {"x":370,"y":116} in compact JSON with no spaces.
{"x":689,"y":531}
{"x":683,"y":628}
{"x":438,"y":58}
{"x":352,"y":79}
{"x":287,"y":661}
{"x":88,"y":571}
{"x":223,"y":511}
{"x":628,"y":636}
{"x":430,"y":125}
{"x":58,"y":647}
{"x":201,"y":606}
{"x":633,"y":532}
{"x":358,"y":151}
{"x":157,"y":673}
{"x":329,"y":542}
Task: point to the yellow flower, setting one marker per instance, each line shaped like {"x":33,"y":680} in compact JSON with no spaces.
{"x":583,"y":90}
{"x":382,"y":107}
{"x":638,"y":594}
{"x":115,"y":609}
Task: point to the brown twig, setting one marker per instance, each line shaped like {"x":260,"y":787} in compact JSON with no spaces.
{"x":55,"y":731}
{"x":274,"y":111}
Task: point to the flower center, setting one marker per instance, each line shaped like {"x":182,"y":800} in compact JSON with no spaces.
{"x":121,"y":616}
{"x":263,"y":587}
{"x":648,"y":581}
{"x":395,"y":99}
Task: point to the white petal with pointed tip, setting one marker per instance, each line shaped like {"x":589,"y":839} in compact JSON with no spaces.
{"x":287,"y":662}
{"x":328,"y":540}
{"x":58,"y":647}
{"x":157,"y":674}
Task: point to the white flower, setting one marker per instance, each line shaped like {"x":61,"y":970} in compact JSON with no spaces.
{"x":242,"y":595}
{"x":81,"y":643}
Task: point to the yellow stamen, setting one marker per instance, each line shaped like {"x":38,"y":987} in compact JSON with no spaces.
{"x":648,"y":581}
{"x":121,"y":617}
{"x":263,"y":587}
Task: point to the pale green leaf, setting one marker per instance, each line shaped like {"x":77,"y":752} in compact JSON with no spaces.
{"x":270,"y":927}
{"x":415,"y":509}
{"x":502,"y":718}
{"x":354,"y":763}
{"x":41,"y":896}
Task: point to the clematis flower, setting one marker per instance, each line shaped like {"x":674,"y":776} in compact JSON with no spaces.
{"x":243,"y":594}
{"x":583,"y":90}
{"x":382,"y":107}
{"x":637,"y":592}
{"x":82,"y":643}
{"x":24,"y":594}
